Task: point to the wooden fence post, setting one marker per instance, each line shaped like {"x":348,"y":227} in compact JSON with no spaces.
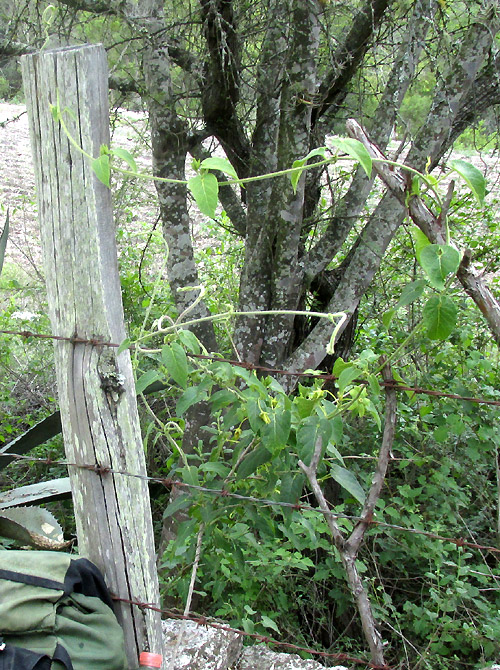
{"x":95,"y":385}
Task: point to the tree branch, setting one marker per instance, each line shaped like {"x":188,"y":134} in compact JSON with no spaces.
{"x":348,"y":549}
{"x":357,"y":535}
{"x":346,"y":60}
{"x":433,"y":227}
{"x":220,"y":91}
{"x":351,"y":205}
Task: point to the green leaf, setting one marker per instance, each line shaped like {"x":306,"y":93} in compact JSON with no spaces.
{"x":356,"y":150}
{"x":253,"y":412}
{"x":301,"y":162}
{"x":190,"y":341}
{"x":387,"y":317}
{"x":420,"y":241}
{"x":333,"y":451}
{"x":308,"y":434}
{"x":205,"y":191}
{"x":347,"y":376}
{"x":438,"y":261}
{"x":3,"y":240}
{"x":127,"y":157}
{"x":222,"y":398}
{"x":183,"y":501}
{"x":124,"y":346}
{"x":146,"y":379}
{"x":221,"y":164}
{"x":339,"y":365}
{"x":102,"y":169}
{"x":175,"y":360}
{"x":374,"y":385}
{"x":439,"y":316}
{"x":291,"y":487}
{"x":337,"y":426}
{"x":190,"y":397}
{"x":275,"y":434}
{"x":55,"y":112}
{"x":473,"y":177}
{"x":269,"y":623}
{"x":215,"y":467}
{"x":411,"y":292}
{"x":348,"y":481}
{"x":250,"y":463}
{"x":295,"y":176}
{"x":190,"y":475}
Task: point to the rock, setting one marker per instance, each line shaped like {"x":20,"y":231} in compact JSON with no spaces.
{"x":259,"y":657}
{"x":196,"y":647}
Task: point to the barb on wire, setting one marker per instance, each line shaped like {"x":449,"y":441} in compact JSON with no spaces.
{"x":204,"y":621}
{"x":393,"y":383}
{"x":267,"y":502}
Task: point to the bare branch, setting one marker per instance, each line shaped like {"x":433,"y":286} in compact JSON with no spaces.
{"x":357,"y":535}
{"x":349,"y":55}
{"x":311,"y":474}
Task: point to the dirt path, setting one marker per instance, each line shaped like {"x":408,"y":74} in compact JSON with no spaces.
{"x":17,"y":188}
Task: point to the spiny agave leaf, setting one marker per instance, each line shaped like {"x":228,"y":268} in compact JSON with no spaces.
{"x":32,"y":525}
{"x":34,"y":494}
{"x":3,"y":240}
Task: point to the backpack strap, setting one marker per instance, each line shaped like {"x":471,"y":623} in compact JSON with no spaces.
{"x":17,"y":658}
{"x":62,"y":656}
{"x":32,"y":580}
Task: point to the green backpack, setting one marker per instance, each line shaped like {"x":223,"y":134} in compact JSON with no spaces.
{"x":56,"y":614}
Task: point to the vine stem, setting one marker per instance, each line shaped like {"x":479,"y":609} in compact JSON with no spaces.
{"x":248,"y":180}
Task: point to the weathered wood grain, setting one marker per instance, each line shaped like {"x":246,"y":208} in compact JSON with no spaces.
{"x":95,"y":386}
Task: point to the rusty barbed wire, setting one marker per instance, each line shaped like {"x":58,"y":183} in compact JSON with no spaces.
{"x":169,"y":483}
{"x":205,"y":621}
{"x":398,"y":386}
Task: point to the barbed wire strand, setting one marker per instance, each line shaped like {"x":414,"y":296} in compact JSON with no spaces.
{"x":168,"y":483}
{"x":397,"y":385}
{"x":205,"y":621}
{"x":225,"y":493}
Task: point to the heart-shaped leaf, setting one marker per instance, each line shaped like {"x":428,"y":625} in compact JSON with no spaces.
{"x":439,"y":317}
{"x":438,"y":261}
{"x":205,"y":191}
